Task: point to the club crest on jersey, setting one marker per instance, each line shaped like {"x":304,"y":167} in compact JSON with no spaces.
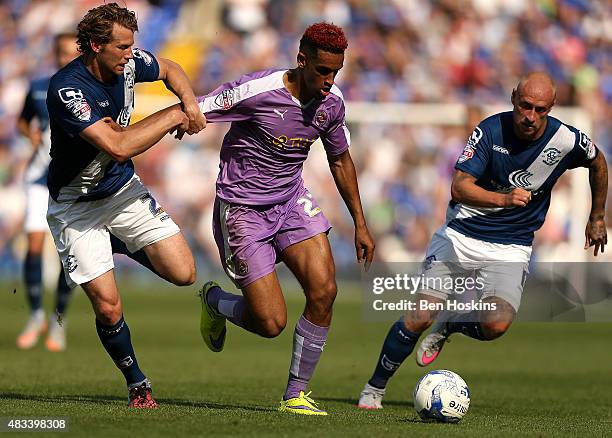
{"x":143,"y":55}
{"x":320,"y":118}
{"x":76,"y":103}
{"x":71,"y":264}
{"x":227,"y":98}
{"x":520,"y":178}
{"x":551,"y":156}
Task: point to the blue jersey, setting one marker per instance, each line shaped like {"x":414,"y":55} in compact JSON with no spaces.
{"x":76,"y":100}
{"x":500,"y":162}
{"x":35,"y":108}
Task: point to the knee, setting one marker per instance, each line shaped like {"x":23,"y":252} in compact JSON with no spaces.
{"x":185,"y":276}
{"x":109,"y":312}
{"x":271,"y":327}
{"x":494,"y":329}
{"x":321,"y":299}
{"x":417,"y":321}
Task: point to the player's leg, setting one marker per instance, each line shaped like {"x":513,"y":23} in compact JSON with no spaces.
{"x":502,"y":287}
{"x":244,"y":239}
{"x":397,"y":346}
{"x":83,"y":244}
{"x":115,"y":336}
{"x":145,"y":232}
{"x":405,"y":333}
{"x":56,"y":338}
{"x":32,"y":268}
{"x":312,"y":263}
{"x":303,"y":245}
{"x":35,"y":226}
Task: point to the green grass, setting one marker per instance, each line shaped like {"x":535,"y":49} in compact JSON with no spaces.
{"x":538,"y":380}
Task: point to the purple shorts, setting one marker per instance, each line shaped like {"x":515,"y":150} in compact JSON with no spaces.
{"x":250,"y":238}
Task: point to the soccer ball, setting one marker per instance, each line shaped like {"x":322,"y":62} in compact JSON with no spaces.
{"x":441,"y":395}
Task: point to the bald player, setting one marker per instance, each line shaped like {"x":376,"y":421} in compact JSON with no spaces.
{"x":500,"y":195}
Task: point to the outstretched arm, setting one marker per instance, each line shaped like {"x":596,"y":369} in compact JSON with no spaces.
{"x":465,"y":191}
{"x":345,"y":177}
{"x":177,"y":81}
{"x":124,"y":143}
{"x":595,"y":232}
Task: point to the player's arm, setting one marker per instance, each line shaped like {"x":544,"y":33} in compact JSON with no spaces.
{"x":176,"y":80}
{"x":124,"y":143}
{"x":464,"y":190}
{"x":24,"y":122}
{"x":595,"y":232}
{"x":345,"y":177}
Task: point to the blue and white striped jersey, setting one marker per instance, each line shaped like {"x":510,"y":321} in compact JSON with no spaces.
{"x":500,"y":162}
{"x":76,"y":100}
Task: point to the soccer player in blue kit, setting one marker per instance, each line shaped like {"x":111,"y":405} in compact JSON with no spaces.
{"x":95,"y":196}
{"x":33,"y":123}
{"x":500,"y":192}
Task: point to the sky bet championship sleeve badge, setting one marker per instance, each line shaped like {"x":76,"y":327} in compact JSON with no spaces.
{"x":76,"y":103}
{"x":470,"y":147}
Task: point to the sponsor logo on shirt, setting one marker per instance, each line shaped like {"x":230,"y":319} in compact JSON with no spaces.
{"x":103,"y":104}
{"x":75,"y":102}
{"x":520,"y":178}
{"x":285,"y":142}
{"x":500,"y":149}
{"x":551,"y":156}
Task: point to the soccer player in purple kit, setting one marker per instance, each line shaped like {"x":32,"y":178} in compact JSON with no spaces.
{"x":263,"y":212}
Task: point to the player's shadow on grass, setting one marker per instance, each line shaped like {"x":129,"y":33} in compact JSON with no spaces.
{"x":104,"y":399}
{"x":353,"y":401}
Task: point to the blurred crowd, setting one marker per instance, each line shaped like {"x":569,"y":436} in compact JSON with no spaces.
{"x":470,"y":52}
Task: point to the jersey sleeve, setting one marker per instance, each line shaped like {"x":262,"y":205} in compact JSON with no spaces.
{"x":337,"y":138}
{"x":29,"y":111}
{"x":583,"y":152}
{"x":147,"y":67}
{"x":476,"y":153}
{"x":230,"y":102}
{"x":71,"y":108}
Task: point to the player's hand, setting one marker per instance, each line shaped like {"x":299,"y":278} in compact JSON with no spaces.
{"x":197,"y":121}
{"x":517,"y":198}
{"x":596,"y":235}
{"x":364,"y":246}
{"x":114,"y":125}
{"x":35,"y":137}
{"x":182,"y":125}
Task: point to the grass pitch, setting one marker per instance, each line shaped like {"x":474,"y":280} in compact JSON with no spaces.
{"x":537,"y":380}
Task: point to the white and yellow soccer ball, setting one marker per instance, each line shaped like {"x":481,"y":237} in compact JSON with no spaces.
{"x":441,"y":395}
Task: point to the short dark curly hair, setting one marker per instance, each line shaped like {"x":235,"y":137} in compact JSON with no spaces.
{"x":324,"y":36}
{"x":97,"y":25}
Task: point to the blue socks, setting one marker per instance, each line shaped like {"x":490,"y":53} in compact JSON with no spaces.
{"x":63,"y":294}
{"x":398,"y":345}
{"x":118,"y":344}
{"x":33,"y":280}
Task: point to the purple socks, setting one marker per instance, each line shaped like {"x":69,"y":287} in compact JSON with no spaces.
{"x":229,"y":305}
{"x":308,"y":342}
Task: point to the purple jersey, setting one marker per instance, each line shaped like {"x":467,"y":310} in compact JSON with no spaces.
{"x":271,"y":133}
